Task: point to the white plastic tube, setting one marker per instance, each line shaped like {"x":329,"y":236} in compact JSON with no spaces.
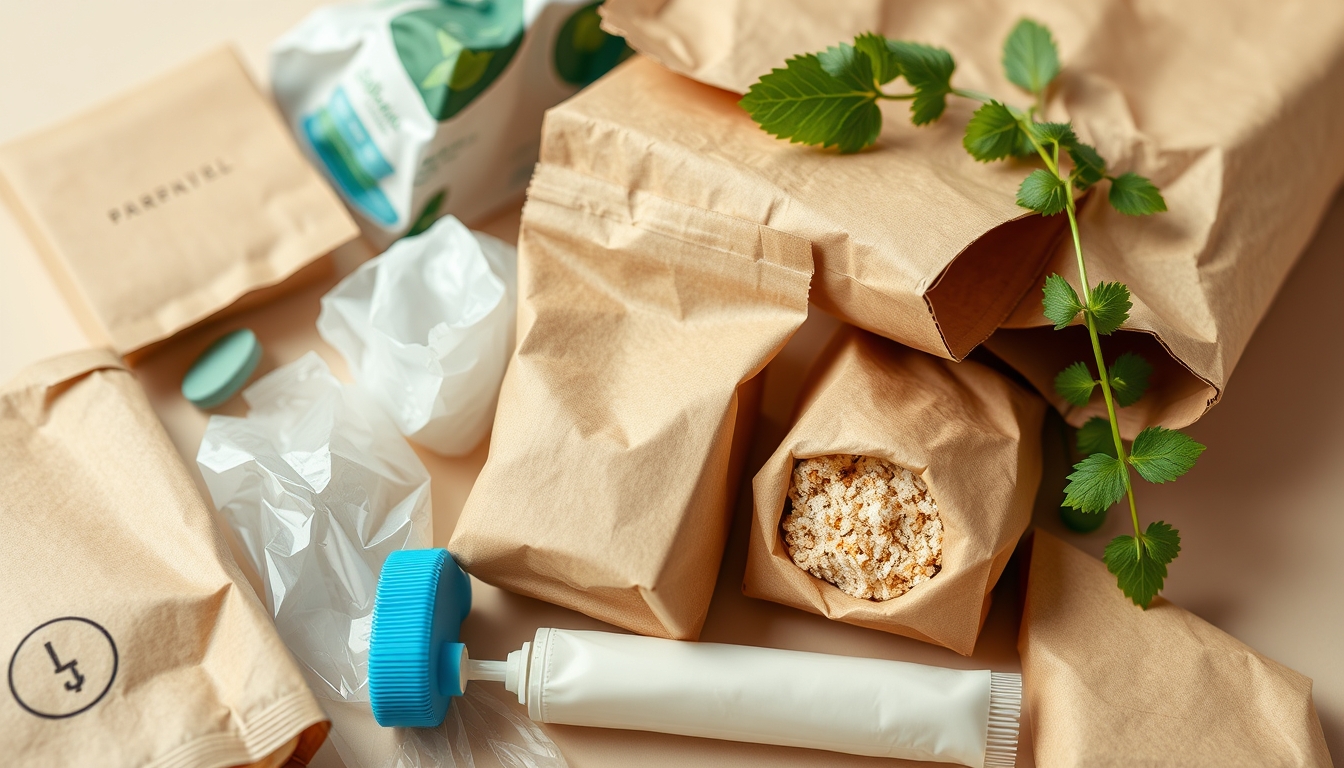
{"x":861,"y":706}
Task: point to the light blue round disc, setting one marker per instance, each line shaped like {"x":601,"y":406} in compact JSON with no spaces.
{"x":222,"y":369}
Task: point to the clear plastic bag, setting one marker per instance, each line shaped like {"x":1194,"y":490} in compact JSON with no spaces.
{"x":320,"y":488}
{"x":427,"y":329}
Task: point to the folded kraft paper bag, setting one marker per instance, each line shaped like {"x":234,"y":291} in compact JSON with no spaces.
{"x":1109,"y":684}
{"x":130,"y":636}
{"x":618,"y":440}
{"x":1224,"y":105}
{"x":171,"y":203}
{"x":970,"y":440}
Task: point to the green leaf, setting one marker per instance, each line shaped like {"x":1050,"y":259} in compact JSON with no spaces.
{"x":1097,"y":482}
{"x":1061,"y":302}
{"x":1162,"y":455}
{"x":1095,"y":437}
{"x":1129,"y":378}
{"x":1075,"y":384}
{"x":1109,"y":306}
{"x":886,"y":67}
{"x":1140,"y":564}
{"x":806,"y":104}
{"x":1088,"y":165}
{"x":1043,"y":192}
{"x":929,"y":71}
{"x":993,"y":133}
{"x":1029,"y":57}
{"x":1049,"y":133}
{"x":1133,"y":195}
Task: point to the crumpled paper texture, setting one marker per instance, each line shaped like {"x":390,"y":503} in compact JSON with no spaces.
{"x":427,"y":330}
{"x":1109,"y":684}
{"x":973,"y":437}
{"x":1227,"y":106}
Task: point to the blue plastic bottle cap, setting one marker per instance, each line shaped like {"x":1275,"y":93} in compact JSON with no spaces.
{"x":222,"y":369}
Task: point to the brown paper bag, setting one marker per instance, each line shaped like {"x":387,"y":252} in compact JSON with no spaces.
{"x":969,"y":433}
{"x":131,"y":637}
{"x":1246,"y":152}
{"x":887,"y":258}
{"x":171,"y":203}
{"x":609,"y":484}
{"x":1109,"y":684}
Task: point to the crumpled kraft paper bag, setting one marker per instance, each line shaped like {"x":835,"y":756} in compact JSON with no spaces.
{"x":130,"y":636}
{"x":171,"y":203}
{"x":974,"y":438}
{"x":1109,"y":684}
{"x":1224,"y":104}
{"x":915,"y":241}
{"x":612,"y":466}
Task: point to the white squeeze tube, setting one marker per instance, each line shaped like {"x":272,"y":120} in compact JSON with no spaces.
{"x":872,"y":707}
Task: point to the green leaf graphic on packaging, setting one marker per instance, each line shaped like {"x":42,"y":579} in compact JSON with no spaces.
{"x":452,"y":52}
{"x":584,"y":51}
{"x":829,"y":99}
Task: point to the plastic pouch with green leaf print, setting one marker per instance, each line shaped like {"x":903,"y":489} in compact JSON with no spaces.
{"x":419,"y":108}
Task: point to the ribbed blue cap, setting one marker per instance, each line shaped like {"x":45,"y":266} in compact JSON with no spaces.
{"x":423,"y":597}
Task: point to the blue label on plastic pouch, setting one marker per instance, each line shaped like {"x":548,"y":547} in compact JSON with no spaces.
{"x":353,"y":160}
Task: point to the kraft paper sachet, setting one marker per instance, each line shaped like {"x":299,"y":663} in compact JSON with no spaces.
{"x":131,"y":637}
{"x":1109,"y":684}
{"x":914,"y":241}
{"x":1246,"y":170}
{"x":970,"y":436}
{"x":618,"y":438}
{"x":171,"y":203}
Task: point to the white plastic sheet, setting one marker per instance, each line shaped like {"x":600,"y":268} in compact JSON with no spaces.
{"x":427,"y":329}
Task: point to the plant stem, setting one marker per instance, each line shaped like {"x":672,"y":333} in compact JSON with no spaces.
{"x":895,"y":96}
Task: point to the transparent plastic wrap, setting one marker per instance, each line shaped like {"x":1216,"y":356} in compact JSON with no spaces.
{"x":427,"y":329}
{"x":320,"y":488}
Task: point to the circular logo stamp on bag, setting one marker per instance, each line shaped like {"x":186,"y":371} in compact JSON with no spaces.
{"x":63,"y":667}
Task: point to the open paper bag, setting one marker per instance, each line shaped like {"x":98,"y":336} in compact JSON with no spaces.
{"x":971,"y":435}
{"x":1228,"y":106}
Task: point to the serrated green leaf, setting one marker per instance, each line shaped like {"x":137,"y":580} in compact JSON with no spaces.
{"x":1075,"y":384}
{"x":1140,"y":564}
{"x":1061,"y":302}
{"x":1095,"y":437}
{"x":1162,"y":455}
{"x":1109,"y":306}
{"x":886,"y":67}
{"x":1133,"y":195}
{"x":1097,"y":482}
{"x":806,"y":104}
{"x":1088,"y":165}
{"x":1030,"y":59}
{"x":1043,"y":192}
{"x":929,"y":71}
{"x":1129,"y":378}
{"x":992,"y":133}
{"x":1049,"y":133}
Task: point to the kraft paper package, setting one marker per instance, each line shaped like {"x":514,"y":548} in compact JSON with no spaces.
{"x":130,"y":636}
{"x":171,"y":203}
{"x":973,"y":438}
{"x":417,"y":108}
{"x":620,"y":431}
{"x":1219,"y":103}
{"x":1109,"y":684}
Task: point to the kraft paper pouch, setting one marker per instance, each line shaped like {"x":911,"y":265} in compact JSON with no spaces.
{"x":1109,"y":684}
{"x":612,"y":464}
{"x":171,"y":203}
{"x":1246,"y":171}
{"x":419,"y":108}
{"x":130,"y":636}
{"x":888,"y":257}
{"x":969,"y":433}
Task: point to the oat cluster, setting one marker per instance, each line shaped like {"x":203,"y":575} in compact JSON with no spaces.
{"x":864,"y":524}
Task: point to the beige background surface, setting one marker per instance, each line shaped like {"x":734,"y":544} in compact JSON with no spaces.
{"x":1262,"y":516}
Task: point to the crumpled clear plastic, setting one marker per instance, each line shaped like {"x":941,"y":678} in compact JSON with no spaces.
{"x":320,"y":488}
{"x":427,"y":329}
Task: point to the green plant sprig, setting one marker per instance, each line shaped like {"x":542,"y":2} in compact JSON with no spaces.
{"x":829,"y":99}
